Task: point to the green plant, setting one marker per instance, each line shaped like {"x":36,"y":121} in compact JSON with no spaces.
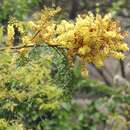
{"x":16,"y":8}
{"x":28,"y":94}
{"x":40,"y":72}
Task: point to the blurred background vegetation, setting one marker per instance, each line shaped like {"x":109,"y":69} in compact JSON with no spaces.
{"x":99,"y":102}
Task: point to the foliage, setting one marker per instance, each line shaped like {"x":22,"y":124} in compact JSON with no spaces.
{"x":17,"y":8}
{"x":38,"y":68}
{"x":116,"y":6}
{"x":96,"y":114}
{"x":105,"y":107}
{"x":27,"y":91}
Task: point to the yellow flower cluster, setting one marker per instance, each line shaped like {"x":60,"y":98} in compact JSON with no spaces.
{"x":1,"y":34}
{"x":10,"y":35}
{"x":92,"y":38}
{"x":43,"y":27}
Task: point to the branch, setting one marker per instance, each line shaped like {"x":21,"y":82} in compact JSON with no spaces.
{"x":104,"y":77}
{"x":28,"y":46}
{"x":122,"y":69}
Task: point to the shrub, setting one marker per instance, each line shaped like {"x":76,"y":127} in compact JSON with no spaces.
{"x":30,"y":97}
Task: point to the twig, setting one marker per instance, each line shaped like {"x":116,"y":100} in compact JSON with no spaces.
{"x":122,"y":69}
{"x":36,"y":35}
{"x":28,"y":46}
{"x":102,"y":75}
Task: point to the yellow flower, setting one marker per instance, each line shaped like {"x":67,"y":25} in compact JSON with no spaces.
{"x":26,"y":40}
{"x":84,"y":72}
{"x":123,"y":46}
{"x":118,"y":55}
{"x":83,"y":50}
{"x":64,"y":26}
{"x":23,"y":51}
{"x":1,"y":34}
{"x":92,"y":38}
{"x":31,"y":24}
{"x":10,"y":35}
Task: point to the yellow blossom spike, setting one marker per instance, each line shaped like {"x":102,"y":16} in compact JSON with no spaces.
{"x":1,"y":34}
{"x":10,"y":35}
{"x":92,"y":38}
